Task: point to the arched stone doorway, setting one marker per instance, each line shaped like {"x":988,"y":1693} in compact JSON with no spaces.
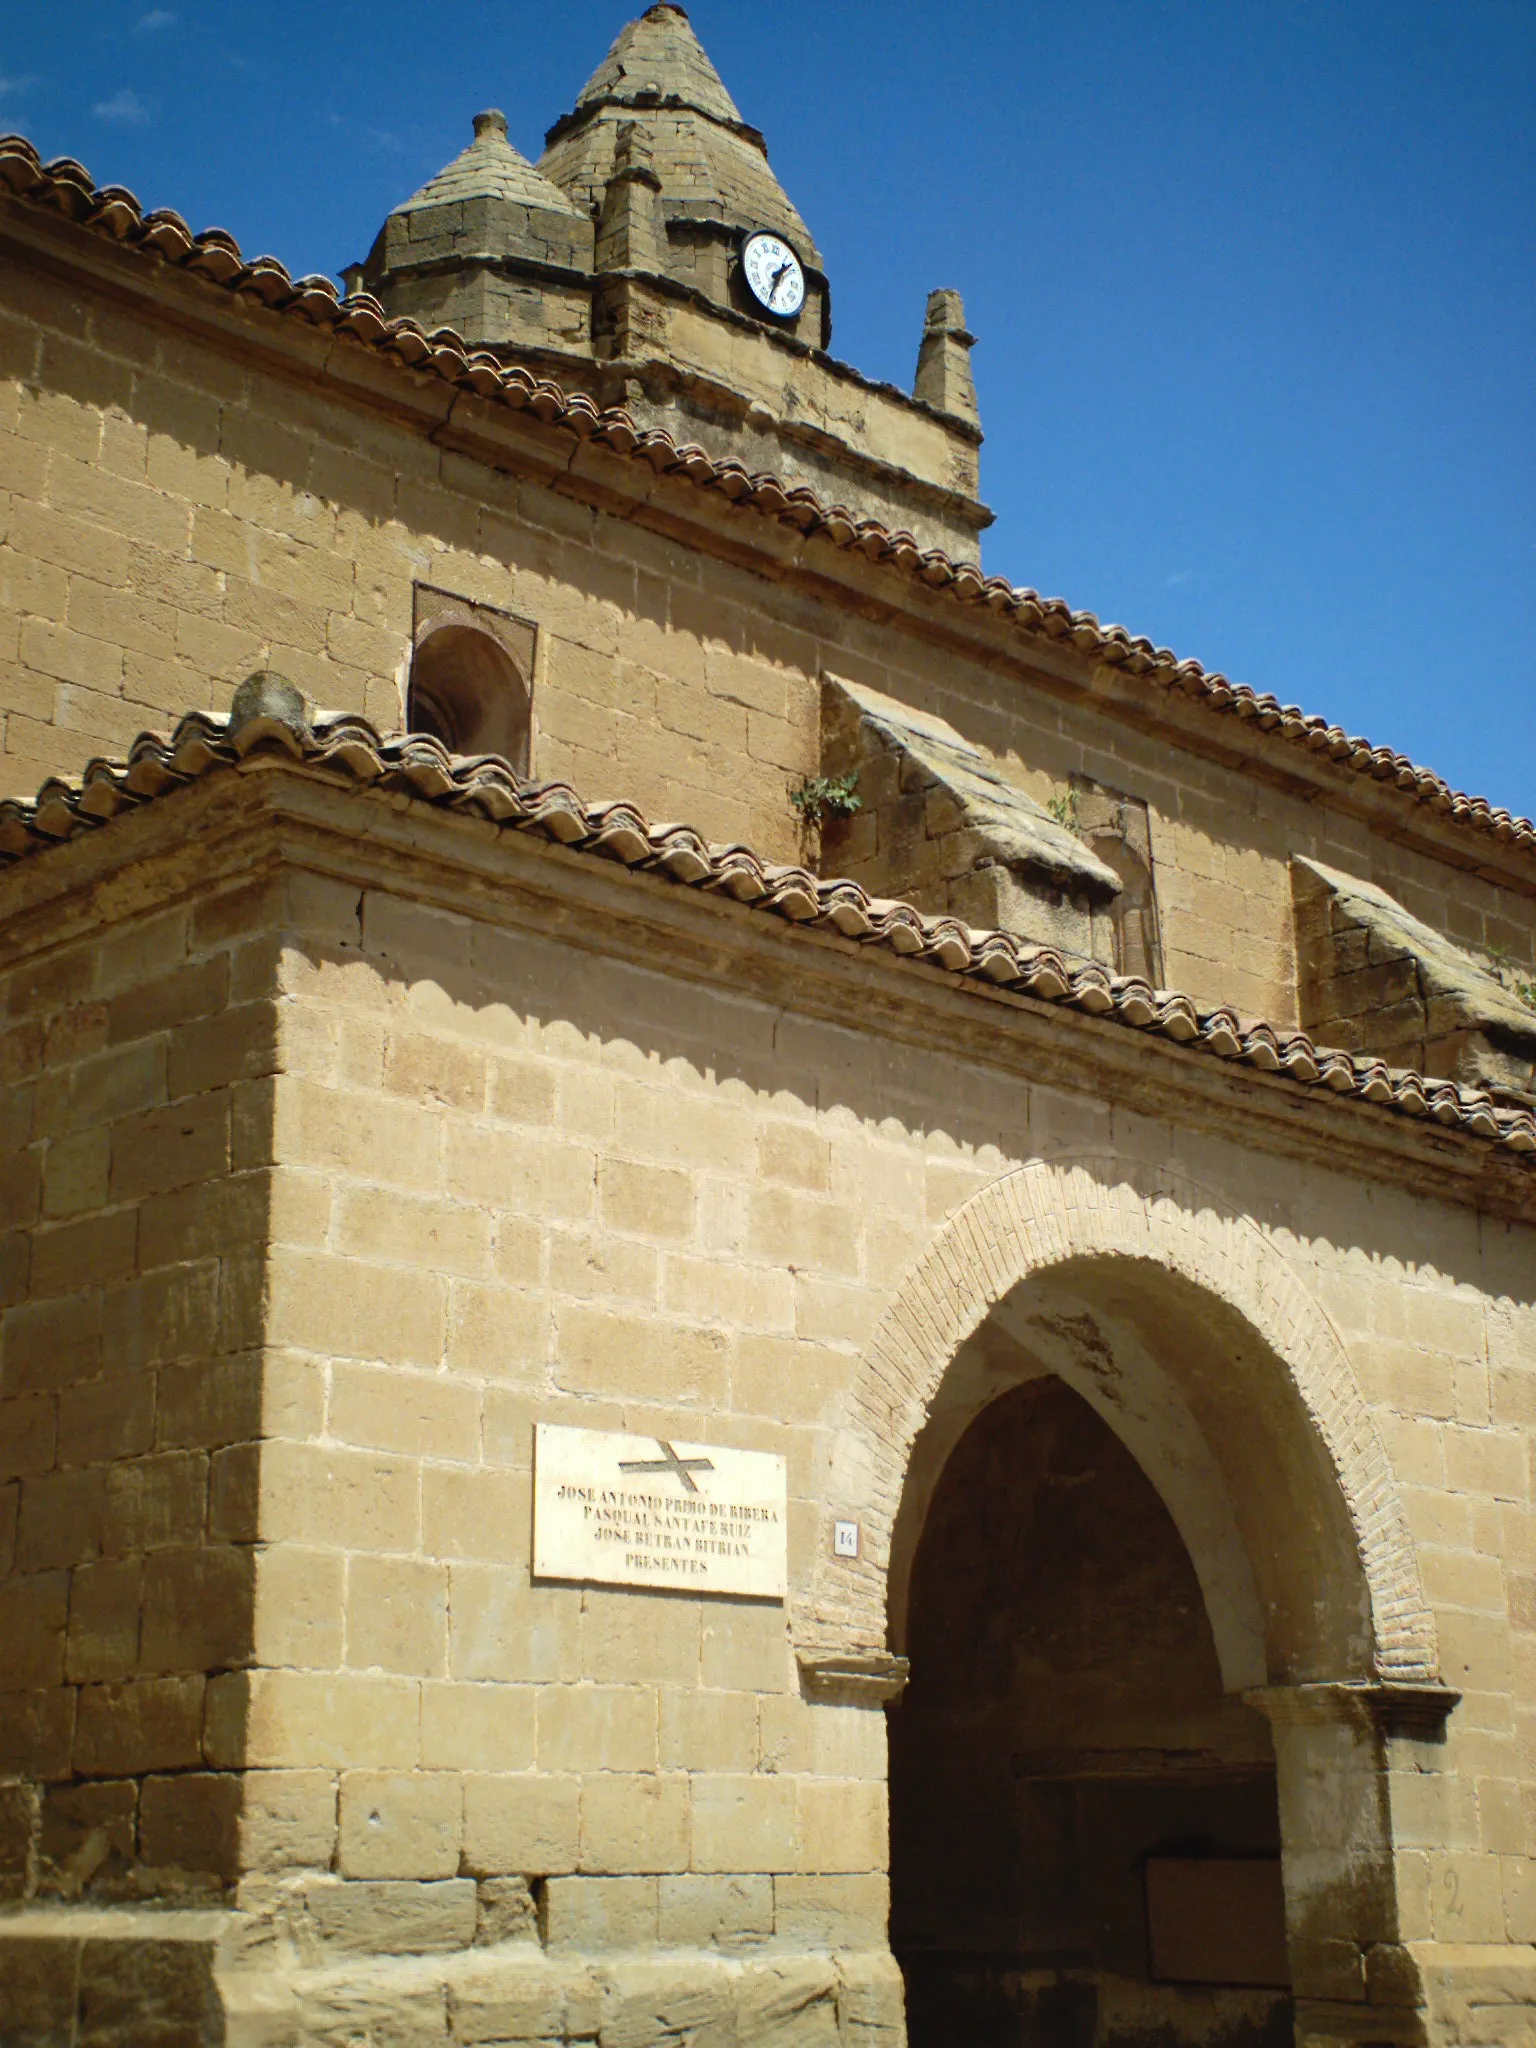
{"x":1217,"y":1413}
{"x":1072,"y":1790}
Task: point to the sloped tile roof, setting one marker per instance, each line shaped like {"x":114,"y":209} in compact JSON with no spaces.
{"x":270,"y":714}
{"x":64,"y":187}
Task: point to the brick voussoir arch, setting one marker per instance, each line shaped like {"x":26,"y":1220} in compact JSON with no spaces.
{"x":1045,"y":1215}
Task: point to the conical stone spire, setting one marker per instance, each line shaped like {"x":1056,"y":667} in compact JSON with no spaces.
{"x":658,"y":60}
{"x":716,"y":181}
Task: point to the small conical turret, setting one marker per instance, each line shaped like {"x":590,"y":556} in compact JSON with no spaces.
{"x":444,"y":254}
{"x":490,"y":168}
{"x":944,"y":378}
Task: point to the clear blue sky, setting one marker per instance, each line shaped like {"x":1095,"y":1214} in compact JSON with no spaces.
{"x":1253,"y":282}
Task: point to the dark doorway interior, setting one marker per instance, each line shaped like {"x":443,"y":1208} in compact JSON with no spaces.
{"x":1064,"y":1755}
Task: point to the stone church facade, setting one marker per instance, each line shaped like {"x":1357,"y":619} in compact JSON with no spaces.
{"x":1073,"y":1112}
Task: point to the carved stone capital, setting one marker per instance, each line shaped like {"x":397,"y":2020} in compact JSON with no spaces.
{"x":1413,"y":1707}
{"x":851,"y":1678}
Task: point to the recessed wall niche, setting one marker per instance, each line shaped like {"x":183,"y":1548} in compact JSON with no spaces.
{"x":471,"y":677}
{"x":1119,"y":830}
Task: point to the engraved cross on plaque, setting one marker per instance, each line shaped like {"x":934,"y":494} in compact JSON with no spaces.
{"x":670,"y":1462}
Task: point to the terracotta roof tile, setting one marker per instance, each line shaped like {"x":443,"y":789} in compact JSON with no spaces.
{"x":269,"y":714}
{"x":64,"y":186}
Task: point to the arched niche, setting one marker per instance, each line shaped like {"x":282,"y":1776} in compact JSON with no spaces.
{"x":1135,"y":1348}
{"x":1136,"y":937}
{"x":466,"y":690}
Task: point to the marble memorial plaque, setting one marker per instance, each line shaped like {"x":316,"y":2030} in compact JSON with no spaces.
{"x":650,"y":1511}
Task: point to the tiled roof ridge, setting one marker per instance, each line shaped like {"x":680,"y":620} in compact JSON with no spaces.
{"x":270,"y":714}
{"x":65,"y":186}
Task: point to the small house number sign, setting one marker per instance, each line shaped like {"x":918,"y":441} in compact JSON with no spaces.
{"x":650,"y":1511}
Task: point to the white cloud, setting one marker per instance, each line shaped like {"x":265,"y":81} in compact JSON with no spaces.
{"x":157,"y":17}
{"x":10,"y":88}
{"x":124,"y":105}
{"x":1178,"y":576}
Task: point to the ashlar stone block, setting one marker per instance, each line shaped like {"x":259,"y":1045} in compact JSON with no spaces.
{"x":399,"y":1824}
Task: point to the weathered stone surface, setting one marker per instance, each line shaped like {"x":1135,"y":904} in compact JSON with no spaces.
{"x":288,"y":1818}
{"x":39,"y":1984}
{"x":396,"y":2004}
{"x":871,"y":2001}
{"x":792,"y":2004}
{"x":706,"y":1911}
{"x":89,"y":1834}
{"x":146,"y":1993}
{"x":1375,"y":976}
{"x":505,"y":1911}
{"x":588,"y":1915}
{"x":527,"y":1999}
{"x":384,"y":1917}
{"x":20,"y":1821}
{"x":647,"y":2003}
{"x":940,"y":824}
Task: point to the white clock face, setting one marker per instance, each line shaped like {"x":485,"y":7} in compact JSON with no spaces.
{"x":773,"y":274}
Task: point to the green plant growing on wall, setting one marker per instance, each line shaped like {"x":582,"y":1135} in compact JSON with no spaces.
{"x":1063,"y":809}
{"x":827,"y":796}
{"x":1503,"y":963}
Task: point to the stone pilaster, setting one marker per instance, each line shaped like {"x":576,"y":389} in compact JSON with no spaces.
{"x":1355,"y":1976}
{"x":631,"y":234}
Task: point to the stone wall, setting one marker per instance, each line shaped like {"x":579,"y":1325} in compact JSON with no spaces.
{"x":138,"y":1209}
{"x":601,"y":1157}
{"x":174,"y":522}
{"x":1372,"y":974}
{"x":178,"y":511}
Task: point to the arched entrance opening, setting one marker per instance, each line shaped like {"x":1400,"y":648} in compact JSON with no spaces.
{"x":1085,"y":1836}
{"x":1121,"y":1532}
{"x":1189,"y":1332}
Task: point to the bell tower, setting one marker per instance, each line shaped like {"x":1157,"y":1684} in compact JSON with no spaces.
{"x":652,"y":259}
